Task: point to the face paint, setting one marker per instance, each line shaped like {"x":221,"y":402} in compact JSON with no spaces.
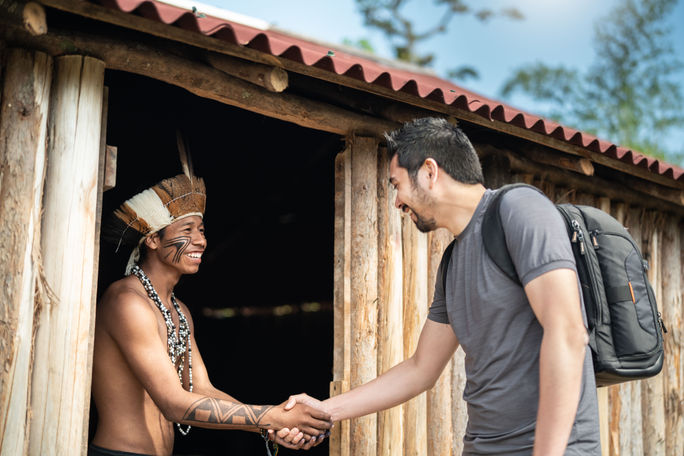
{"x":180,"y":243}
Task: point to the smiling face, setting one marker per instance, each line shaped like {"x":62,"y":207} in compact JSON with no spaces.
{"x":181,"y":245}
{"x":411,"y":197}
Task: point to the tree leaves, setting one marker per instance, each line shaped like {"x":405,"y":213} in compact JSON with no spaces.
{"x":629,"y":94}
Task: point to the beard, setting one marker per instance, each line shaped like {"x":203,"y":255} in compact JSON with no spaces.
{"x":424,"y":224}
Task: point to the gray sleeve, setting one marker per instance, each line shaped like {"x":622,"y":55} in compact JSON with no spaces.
{"x":438,"y":311}
{"x":536,"y":235}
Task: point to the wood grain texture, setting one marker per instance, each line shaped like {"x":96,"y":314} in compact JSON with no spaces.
{"x":415,"y":312}
{"x":61,"y":392}
{"x":390,"y":302}
{"x":23,"y":129}
{"x":364,"y":284}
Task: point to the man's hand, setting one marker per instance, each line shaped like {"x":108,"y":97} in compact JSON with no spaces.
{"x":307,"y":419}
{"x":305,"y":399}
{"x":294,"y":439}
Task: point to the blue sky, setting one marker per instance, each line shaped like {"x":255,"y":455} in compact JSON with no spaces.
{"x":553,"y":32}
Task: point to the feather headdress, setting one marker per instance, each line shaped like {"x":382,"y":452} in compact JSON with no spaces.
{"x":156,"y":208}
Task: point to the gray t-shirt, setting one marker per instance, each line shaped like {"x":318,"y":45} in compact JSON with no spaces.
{"x":499,"y":333}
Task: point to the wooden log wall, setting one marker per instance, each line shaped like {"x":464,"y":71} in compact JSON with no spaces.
{"x":50,"y":180}
{"x":60,"y":397}
{"x":23,"y":128}
{"x":636,"y":418}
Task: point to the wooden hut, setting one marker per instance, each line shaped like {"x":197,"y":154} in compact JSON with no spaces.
{"x":58,"y":115}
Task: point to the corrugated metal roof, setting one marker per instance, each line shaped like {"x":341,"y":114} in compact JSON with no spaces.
{"x":416,"y":83}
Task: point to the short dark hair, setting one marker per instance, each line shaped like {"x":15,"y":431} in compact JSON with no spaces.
{"x":435,"y":138}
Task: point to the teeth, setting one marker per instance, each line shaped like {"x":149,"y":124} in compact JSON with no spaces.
{"x":194,"y":255}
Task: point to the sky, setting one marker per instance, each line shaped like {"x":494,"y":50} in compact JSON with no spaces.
{"x":553,"y":32}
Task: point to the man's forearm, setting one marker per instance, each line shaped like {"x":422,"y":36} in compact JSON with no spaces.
{"x":560,"y":376}
{"x":225,"y":414}
{"x":395,"y":386}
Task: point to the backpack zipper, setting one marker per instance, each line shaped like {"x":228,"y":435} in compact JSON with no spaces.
{"x":577,"y":235}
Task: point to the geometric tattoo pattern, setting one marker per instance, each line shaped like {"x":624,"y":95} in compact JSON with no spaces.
{"x":180,"y":243}
{"x":210,"y":410}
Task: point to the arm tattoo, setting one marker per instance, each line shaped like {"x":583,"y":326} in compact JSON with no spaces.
{"x":180,"y":243}
{"x":217,"y":411}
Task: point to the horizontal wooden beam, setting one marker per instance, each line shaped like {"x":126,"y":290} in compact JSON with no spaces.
{"x":668,"y":200}
{"x":568,"y":162}
{"x":204,"y":81}
{"x":271,"y":78}
{"x":30,"y":15}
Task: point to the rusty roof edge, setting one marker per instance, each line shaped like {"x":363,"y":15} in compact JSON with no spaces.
{"x":406,"y":82}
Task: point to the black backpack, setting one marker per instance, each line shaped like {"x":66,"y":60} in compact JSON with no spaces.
{"x":625,"y":328}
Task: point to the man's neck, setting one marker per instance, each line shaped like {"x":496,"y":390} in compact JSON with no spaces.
{"x":457,"y":206}
{"x":162,"y":277}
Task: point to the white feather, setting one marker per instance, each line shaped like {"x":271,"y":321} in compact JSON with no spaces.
{"x":151,"y":209}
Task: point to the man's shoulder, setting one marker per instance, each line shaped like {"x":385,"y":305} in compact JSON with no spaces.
{"x":123,"y":297}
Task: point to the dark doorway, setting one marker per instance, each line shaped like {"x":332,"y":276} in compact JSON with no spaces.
{"x":262,"y":301}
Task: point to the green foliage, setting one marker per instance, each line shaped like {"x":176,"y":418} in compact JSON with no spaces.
{"x":387,"y":16}
{"x":362,"y":43}
{"x":629,"y":94}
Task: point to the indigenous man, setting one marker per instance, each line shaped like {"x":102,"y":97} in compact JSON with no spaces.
{"x":530,"y":387}
{"x":147,"y":370}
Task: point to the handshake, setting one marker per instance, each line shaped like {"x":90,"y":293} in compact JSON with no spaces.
{"x":302,"y":422}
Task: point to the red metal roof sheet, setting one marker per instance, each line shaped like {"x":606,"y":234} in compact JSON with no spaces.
{"x":415,"y":83}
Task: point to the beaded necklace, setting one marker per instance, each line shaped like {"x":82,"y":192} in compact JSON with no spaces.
{"x":177,"y":344}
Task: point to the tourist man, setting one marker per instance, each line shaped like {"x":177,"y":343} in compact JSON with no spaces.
{"x":147,"y":369}
{"x":530,"y":387}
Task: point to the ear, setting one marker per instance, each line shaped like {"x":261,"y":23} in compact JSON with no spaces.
{"x":432,"y":169}
{"x":153,"y":242}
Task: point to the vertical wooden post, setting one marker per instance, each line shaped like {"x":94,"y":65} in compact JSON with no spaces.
{"x":390,"y":301}
{"x":364,"y":284}
{"x":619,"y":395}
{"x":439,"y":407}
{"x":415,"y":313}
{"x":652,"y":402}
{"x":671,"y":308}
{"x":60,"y":393}
{"x":23,"y":128}
{"x":603,"y":393}
{"x":459,"y":408}
{"x":339,"y":439}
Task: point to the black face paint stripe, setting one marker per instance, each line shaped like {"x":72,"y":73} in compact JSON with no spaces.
{"x":181,"y":243}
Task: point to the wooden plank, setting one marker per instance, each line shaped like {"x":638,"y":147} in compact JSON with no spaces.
{"x":111,"y":153}
{"x":415,"y":312}
{"x":603,"y":393}
{"x":459,"y":409}
{"x":65,"y":332}
{"x":619,"y":395}
{"x":337,"y":432}
{"x":661,"y":198}
{"x":342,"y":290}
{"x":569,"y":163}
{"x":671,"y":308}
{"x":271,"y":78}
{"x":390,"y":302}
{"x":23,"y":132}
{"x":652,"y":401}
{"x":364,"y":283}
{"x":439,"y":408}
{"x":197,"y":39}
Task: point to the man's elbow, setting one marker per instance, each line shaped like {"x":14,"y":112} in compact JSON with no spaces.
{"x":576,"y":339}
{"x":171,"y":411}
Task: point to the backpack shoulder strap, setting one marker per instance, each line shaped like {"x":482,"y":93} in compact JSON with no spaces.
{"x":493,"y":236}
{"x":444,"y":264}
